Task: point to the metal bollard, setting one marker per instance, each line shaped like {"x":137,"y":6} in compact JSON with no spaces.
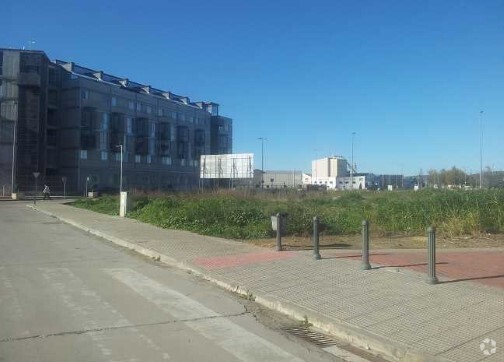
{"x":431,"y":251}
{"x":365,"y":245}
{"x":279,"y":232}
{"x":316,"y":254}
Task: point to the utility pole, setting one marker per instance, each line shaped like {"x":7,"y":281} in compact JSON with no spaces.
{"x":121,"y":174}
{"x":481,"y":149}
{"x":14,"y":141}
{"x":262,"y":160}
{"x":352,"y":165}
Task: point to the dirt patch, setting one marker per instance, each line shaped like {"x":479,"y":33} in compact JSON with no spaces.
{"x":353,"y":242}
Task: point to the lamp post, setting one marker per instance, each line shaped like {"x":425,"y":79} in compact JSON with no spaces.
{"x":64,"y":180}
{"x":352,"y":165}
{"x":35,"y":175}
{"x":87,"y":180}
{"x":262,"y":160}
{"x":121,"y":175}
{"x":14,"y":140}
{"x":481,"y":148}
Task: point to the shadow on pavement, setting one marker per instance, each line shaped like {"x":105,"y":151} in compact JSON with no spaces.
{"x":469,"y":279}
{"x":406,"y":265}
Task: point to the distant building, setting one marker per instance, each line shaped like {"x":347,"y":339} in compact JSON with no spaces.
{"x":396,"y":181}
{"x":65,"y":120}
{"x":278,"y":179}
{"x":360,"y":181}
{"x":334,"y":166}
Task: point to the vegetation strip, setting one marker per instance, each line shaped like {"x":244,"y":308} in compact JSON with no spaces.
{"x":246,"y":215}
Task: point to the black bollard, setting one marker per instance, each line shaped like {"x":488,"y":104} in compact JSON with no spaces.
{"x":316,"y":254}
{"x":365,"y":245}
{"x":279,"y":232}
{"x":431,"y":251}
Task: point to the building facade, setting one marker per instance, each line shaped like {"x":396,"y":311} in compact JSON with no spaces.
{"x":276,"y":179}
{"x":334,"y":166}
{"x":70,"y":122}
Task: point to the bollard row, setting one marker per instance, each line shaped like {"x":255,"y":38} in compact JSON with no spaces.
{"x":431,"y":245}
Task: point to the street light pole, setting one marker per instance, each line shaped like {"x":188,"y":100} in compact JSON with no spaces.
{"x":35,"y":175}
{"x":352,"y":165}
{"x":121,"y":175}
{"x":14,"y":140}
{"x":262,"y":160}
{"x":87,"y":180}
{"x":481,"y":149}
{"x":64,"y":180}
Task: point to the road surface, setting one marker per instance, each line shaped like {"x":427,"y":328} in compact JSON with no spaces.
{"x":68,"y":296}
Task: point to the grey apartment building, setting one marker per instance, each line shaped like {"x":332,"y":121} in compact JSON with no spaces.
{"x":68,"y":121}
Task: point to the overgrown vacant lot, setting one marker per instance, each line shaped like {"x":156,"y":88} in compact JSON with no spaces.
{"x":246,"y":215}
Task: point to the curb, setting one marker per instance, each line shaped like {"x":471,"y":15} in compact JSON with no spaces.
{"x":356,"y":336}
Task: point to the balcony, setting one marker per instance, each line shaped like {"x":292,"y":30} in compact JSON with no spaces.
{"x":29,"y":79}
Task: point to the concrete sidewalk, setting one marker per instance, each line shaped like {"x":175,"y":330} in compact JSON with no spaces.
{"x":389,"y":310}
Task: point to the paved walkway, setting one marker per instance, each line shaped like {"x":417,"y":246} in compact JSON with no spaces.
{"x":390,"y":310}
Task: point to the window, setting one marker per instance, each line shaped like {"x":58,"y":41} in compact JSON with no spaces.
{"x":149,"y":159}
{"x":6,"y":132}
{"x":117,"y":156}
{"x":105,"y":121}
{"x":131,"y":105}
{"x":166,"y":161}
{"x":52,"y":97}
{"x":53,"y":76}
{"x":174,"y":115}
{"x":138,"y":158}
{"x":83,"y":154}
{"x":181,"y":117}
{"x":160,"y":112}
{"x":51,"y":137}
{"x":114,"y":101}
{"x":104,"y":156}
{"x":139,"y":107}
{"x":148,"y":109}
{"x":129,"y":125}
{"x":84,"y":94}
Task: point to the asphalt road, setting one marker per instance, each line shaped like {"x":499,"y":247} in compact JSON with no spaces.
{"x":68,"y":296}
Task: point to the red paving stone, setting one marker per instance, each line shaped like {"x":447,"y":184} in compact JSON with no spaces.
{"x":242,"y":259}
{"x":485,"y":267}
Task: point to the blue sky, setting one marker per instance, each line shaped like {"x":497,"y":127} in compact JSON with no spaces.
{"x":409,"y":77}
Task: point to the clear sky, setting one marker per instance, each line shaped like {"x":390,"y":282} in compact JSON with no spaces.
{"x":410,"y":77}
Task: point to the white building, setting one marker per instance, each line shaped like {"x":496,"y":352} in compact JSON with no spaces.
{"x":349,"y":183}
{"x":333,"y":174}
{"x":335,"y":166}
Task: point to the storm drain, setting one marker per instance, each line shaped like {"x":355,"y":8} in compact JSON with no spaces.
{"x":319,"y":339}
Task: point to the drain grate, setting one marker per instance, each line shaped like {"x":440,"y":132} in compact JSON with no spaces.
{"x":319,"y":339}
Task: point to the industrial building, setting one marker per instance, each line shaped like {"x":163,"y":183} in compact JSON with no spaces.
{"x":73,"y":123}
{"x":334,"y":166}
{"x":333,"y":173}
{"x":278,"y":179}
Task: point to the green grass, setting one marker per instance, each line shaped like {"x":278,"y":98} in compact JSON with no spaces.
{"x":105,"y":205}
{"x":242,"y":215}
